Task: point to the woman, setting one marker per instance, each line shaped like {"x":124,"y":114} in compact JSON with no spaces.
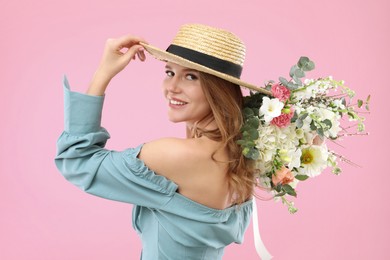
{"x":192,"y":196}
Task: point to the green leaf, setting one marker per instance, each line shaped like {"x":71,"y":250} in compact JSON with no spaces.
{"x":301,"y":177}
{"x":250,"y":153}
{"x":253,"y":154}
{"x":299,"y":73}
{"x":361,"y":127}
{"x":245,"y":128}
{"x":248,"y":112}
{"x":253,"y":134}
{"x":336,"y":170}
{"x":352,"y":115}
{"x":299,"y":122}
{"x":246,"y":143}
{"x":292,"y":209}
{"x":344,"y":102}
{"x":292,"y":86}
{"x":280,"y":194}
{"x":303,"y":116}
{"x":313,"y":126}
{"x":292,"y":70}
{"x":367,"y":107}
{"x":360,"y":103}
{"x":241,"y":142}
{"x":289,"y":190}
{"x":295,"y":117}
{"x":309,"y":66}
{"x":303,"y":61}
{"x":253,"y":122}
{"x":283,"y":81}
{"x":256,"y":110}
{"x":368,"y":99}
{"x":297,"y":81}
{"x":320,"y":131}
{"x":278,"y":188}
{"x":328,"y":123}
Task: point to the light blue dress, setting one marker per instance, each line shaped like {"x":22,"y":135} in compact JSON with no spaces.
{"x":170,"y":225}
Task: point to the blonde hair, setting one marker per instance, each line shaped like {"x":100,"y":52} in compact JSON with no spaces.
{"x":226,"y":101}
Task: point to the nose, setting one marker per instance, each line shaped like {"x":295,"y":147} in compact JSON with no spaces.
{"x":172,"y":84}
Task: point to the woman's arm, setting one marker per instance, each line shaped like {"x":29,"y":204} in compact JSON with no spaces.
{"x":83,"y":160}
{"x":116,"y":56}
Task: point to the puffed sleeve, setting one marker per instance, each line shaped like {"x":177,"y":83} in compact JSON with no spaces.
{"x":83,"y":160}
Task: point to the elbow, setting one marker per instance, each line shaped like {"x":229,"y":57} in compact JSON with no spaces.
{"x":74,"y":174}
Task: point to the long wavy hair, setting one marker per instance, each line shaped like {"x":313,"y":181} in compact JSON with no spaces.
{"x":226,"y":101}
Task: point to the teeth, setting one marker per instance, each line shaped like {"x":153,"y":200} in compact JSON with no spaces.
{"x":174,"y":102}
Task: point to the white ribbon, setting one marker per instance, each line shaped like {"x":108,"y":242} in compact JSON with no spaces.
{"x":259,"y":245}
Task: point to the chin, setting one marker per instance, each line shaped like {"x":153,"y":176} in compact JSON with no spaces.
{"x":175,"y":119}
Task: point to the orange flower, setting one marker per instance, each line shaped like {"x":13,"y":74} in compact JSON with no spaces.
{"x":282,"y":176}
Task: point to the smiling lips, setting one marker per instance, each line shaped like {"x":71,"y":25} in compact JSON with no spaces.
{"x":176,"y":102}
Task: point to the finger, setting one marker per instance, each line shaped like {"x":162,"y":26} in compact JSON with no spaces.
{"x":141,"y":55}
{"x":131,"y":52}
{"x":129,"y":40}
{"x":122,"y":43}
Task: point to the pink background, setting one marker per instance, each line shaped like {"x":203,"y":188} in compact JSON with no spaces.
{"x":44,"y":217}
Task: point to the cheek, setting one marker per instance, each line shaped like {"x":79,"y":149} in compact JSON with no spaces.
{"x":204,"y":106}
{"x":201,"y":100}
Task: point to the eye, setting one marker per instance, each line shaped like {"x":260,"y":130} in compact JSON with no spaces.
{"x":169,"y":73}
{"x":191,"y":77}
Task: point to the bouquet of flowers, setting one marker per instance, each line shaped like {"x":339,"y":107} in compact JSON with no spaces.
{"x":286,"y":134}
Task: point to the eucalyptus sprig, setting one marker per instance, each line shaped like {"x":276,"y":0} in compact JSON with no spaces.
{"x":297,"y":72}
{"x":251,"y":124}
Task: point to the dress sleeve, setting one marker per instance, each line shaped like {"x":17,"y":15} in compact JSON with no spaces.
{"x":83,"y":160}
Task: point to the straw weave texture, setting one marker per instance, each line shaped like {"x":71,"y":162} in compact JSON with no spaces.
{"x":211,"y":41}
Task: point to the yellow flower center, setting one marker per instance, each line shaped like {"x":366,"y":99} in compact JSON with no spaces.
{"x":306,"y":157}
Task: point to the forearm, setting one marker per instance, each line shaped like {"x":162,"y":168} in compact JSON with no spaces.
{"x":116,"y":56}
{"x":99,"y":83}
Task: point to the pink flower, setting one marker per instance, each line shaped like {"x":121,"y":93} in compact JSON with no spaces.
{"x":284,"y":119}
{"x":282,"y":176}
{"x":280,"y":92}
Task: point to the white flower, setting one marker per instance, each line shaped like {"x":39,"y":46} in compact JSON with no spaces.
{"x":271,"y":108}
{"x":295,"y":158}
{"x":309,"y":136}
{"x":267,"y":142}
{"x":334,"y":118}
{"x":303,"y":93}
{"x":264,"y":181}
{"x":300,"y":133}
{"x":293,"y":137}
{"x":313,"y":160}
{"x":338,"y":103}
{"x":294,"y":183}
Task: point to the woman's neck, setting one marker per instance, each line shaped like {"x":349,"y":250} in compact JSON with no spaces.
{"x":206,"y":124}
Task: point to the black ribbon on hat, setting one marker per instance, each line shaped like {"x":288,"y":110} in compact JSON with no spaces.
{"x":206,"y":60}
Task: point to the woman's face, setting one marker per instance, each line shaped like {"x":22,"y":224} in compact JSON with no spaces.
{"x":183,"y":91}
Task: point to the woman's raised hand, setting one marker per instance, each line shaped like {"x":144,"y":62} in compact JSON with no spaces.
{"x":116,"y":56}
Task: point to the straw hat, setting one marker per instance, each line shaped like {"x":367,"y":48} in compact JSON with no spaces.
{"x":207,"y":49}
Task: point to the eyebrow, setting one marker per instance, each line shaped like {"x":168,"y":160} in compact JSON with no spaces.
{"x":184,"y":70}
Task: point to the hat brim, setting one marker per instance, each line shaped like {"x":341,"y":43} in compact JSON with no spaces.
{"x":166,"y":56}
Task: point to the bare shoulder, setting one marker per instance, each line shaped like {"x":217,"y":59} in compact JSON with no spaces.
{"x":189,"y":163}
{"x":175,"y":156}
